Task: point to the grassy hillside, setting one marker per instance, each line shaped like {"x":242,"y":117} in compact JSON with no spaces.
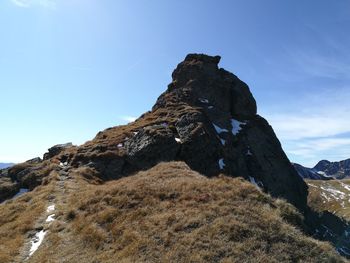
{"x":332,"y":196}
{"x":172,"y":214}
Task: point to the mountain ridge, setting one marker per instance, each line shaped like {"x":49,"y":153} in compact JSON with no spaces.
{"x":325,"y":170}
{"x":206,"y":122}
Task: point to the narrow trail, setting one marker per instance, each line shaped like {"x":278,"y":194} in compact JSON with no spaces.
{"x":56,"y":200}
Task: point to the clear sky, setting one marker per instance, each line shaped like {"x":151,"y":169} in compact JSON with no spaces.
{"x":70,"y":68}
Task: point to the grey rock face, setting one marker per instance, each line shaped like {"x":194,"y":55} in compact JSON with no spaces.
{"x":57,"y":149}
{"x":151,"y":145}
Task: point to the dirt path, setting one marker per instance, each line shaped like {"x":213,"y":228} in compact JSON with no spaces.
{"x":56,"y":201}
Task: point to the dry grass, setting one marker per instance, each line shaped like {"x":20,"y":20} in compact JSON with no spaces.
{"x":17,"y":219}
{"x":166,"y":214}
{"x":172,"y":214}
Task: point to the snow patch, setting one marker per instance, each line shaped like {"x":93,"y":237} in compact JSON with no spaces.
{"x":218,"y":129}
{"x":252,"y":180}
{"x":223,"y":142}
{"x":203,"y":100}
{"x":178,"y":140}
{"x":36,"y":241}
{"x":346,"y":186}
{"x":221,"y":164}
{"x":50,"y":208}
{"x":50,"y":218}
{"x":236,"y":126}
{"x":120,"y":145}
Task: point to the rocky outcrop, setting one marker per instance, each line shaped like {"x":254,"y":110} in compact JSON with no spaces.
{"x":207,"y":118}
{"x":8,"y":187}
{"x":57,"y":149}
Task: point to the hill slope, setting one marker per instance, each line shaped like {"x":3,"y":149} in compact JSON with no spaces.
{"x":166,"y":214}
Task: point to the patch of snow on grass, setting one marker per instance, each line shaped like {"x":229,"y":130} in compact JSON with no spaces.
{"x":221,"y":164}
{"x":36,"y":241}
{"x":178,"y":140}
{"x":120,"y":145}
{"x":236,"y":126}
{"x":50,"y":218}
{"x":325,"y":196}
{"x":346,"y":186}
{"x":50,"y":208}
{"x":336,"y":193}
{"x":218,"y":129}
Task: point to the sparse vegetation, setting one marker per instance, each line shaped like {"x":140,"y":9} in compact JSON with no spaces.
{"x":172,"y":214}
{"x":166,"y":214}
{"x":17,"y":219}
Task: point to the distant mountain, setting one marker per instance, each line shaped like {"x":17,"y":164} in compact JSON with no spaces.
{"x":5,"y":165}
{"x":325,"y":170}
{"x":310,"y":173}
{"x":337,"y":170}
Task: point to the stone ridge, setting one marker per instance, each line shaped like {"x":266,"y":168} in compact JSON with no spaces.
{"x":206,"y":118}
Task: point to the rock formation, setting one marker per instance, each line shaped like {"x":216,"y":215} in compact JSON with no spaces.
{"x":207,"y":118}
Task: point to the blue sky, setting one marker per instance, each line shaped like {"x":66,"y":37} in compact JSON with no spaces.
{"x":70,"y":68}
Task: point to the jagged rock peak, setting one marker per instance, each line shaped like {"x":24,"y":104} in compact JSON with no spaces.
{"x":204,"y":58}
{"x":198,"y":78}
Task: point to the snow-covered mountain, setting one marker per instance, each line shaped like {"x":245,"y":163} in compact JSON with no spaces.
{"x":325,"y":170}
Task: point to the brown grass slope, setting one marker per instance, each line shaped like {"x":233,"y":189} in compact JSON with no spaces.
{"x":173,"y":214}
{"x":17,"y":220}
{"x":332,"y":196}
